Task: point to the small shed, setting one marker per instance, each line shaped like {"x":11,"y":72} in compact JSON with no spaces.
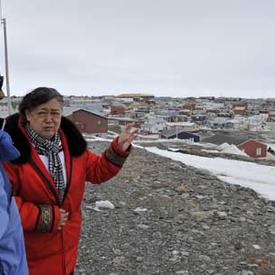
{"x":254,"y":148}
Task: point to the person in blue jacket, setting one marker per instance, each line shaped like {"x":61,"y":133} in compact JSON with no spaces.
{"x":12,"y":248}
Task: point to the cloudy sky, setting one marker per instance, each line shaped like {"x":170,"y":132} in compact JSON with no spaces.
{"x":161,"y":47}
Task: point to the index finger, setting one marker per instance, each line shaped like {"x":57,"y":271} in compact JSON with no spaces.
{"x":134,"y":130}
{"x":129,"y":126}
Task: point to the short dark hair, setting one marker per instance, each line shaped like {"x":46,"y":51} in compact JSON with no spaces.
{"x":37,"y":97}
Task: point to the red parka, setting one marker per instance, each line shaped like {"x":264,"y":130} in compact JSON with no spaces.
{"x":49,"y":250}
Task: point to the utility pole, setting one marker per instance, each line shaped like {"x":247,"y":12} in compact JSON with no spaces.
{"x":4,"y":22}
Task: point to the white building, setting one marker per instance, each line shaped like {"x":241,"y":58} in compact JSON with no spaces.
{"x":184,"y":126}
{"x":153,"y":124}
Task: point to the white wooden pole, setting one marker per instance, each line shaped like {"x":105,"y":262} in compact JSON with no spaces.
{"x":4,"y":22}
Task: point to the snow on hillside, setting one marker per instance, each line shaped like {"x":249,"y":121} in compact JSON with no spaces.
{"x":255,"y":176}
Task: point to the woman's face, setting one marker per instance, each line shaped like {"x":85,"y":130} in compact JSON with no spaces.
{"x":46,"y":118}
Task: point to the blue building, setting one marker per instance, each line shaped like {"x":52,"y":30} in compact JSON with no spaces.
{"x":173,"y":134}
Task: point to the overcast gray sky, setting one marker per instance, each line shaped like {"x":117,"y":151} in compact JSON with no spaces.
{"x":161,"y":47}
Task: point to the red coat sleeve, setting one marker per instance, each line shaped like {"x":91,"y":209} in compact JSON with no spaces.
{"x":103,"y":167}
{"x":29,"y":214}
{"x":39,"y":218}
{"x":34,"y":217}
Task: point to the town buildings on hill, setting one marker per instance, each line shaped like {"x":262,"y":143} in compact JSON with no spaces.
{"x":166,"y":117}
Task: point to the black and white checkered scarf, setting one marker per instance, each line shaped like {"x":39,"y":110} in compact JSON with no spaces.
{"x":50,"y":148}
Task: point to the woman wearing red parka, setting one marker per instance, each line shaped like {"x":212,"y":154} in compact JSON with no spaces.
{"x":49,"y":178}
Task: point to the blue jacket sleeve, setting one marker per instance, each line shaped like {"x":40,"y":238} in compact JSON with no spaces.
{"x":4,"y":217}
{"x":7,"y":152}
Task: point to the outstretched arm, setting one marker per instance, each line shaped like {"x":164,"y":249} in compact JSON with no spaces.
{"x":103,"y":167}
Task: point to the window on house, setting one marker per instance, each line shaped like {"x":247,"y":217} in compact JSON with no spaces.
{"x":80,"y":125}
{"x":258,"y":151}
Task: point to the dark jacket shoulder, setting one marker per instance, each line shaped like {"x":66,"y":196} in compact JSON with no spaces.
{"x":1,"y":122}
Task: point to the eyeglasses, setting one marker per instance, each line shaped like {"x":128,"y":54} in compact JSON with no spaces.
{"x":56,"y":114}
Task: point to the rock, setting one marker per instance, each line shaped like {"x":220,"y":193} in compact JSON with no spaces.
{"x":143,"y":226}
{"x":222,"y":215}
{"x":272,"y":229}
{"x":245,"y":272}
{"x":182,"y":272}
{"x":204,"y":258}
{"x":118,"y":260}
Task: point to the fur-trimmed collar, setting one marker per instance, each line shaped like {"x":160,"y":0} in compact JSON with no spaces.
{"x":76,"y":143}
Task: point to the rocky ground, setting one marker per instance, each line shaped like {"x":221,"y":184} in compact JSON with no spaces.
{"x":170,"y":218}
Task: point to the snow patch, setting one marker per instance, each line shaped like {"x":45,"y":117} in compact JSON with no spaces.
{"x":231,"y":149}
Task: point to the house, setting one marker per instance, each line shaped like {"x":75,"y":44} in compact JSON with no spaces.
{"x":118,"y":110}
{"x":216,"y":122}
{"x":240,"y":108}
{"x":271,"y":116}
{"x":153,"y":124}
{"x":270,"y":126}
{"x":186,"y":126}
{"x":4,"y":110}
{"x":223,"y":123}
{"x":88,"y":122}
{"x":189,"y":106}
{"x":257,"y":122}
{"x":198,"y":118}
{"x":121,"y":121}
{"x":173,"y":133}
{"x":253,"y":148}
{"x":138,"y":97}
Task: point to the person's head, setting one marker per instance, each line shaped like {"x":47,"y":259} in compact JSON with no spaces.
{"x":42,"y":109}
